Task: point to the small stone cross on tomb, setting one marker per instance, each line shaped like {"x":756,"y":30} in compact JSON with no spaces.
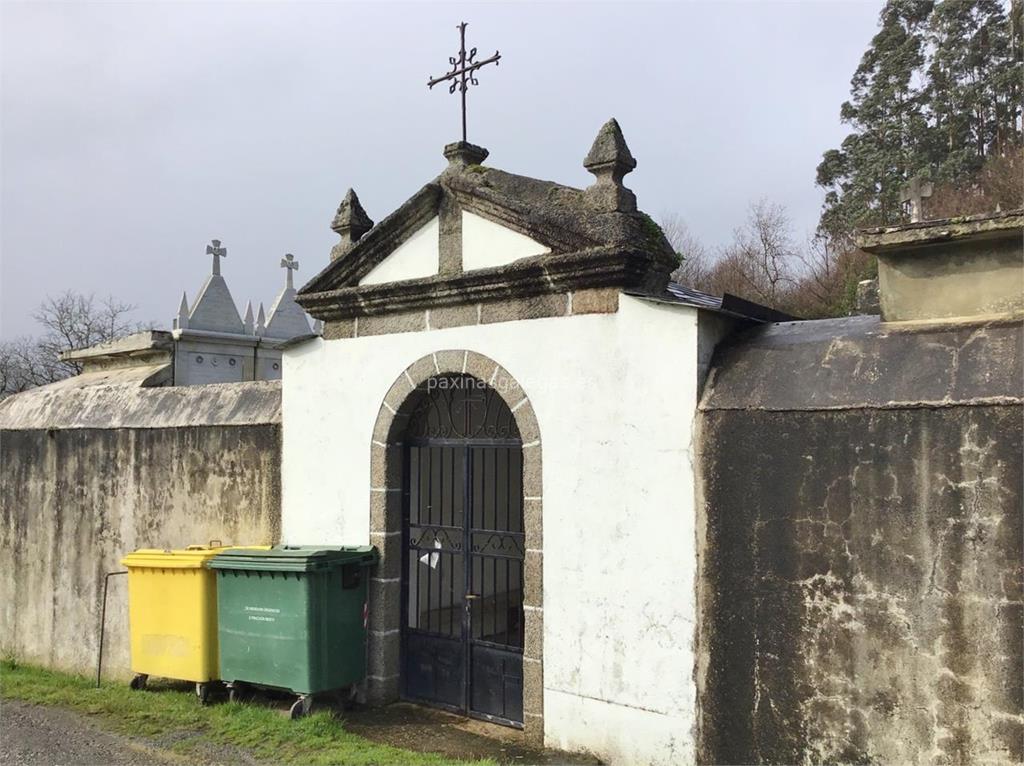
{"x":289,"y":263}
{"x":914,"y":192}
{"x":217,"y":252}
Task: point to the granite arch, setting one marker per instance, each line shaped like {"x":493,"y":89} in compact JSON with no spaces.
{"x":386,"y":471}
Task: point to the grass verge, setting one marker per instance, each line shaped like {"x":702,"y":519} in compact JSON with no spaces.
{"x":170,"y":717}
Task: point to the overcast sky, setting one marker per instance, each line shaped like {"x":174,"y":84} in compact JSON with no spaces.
{"x":133,"y":133}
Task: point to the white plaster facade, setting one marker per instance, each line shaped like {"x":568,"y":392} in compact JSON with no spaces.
{"x":615,"y":397}
{"x":419,"y":256}
{"x":486,"y":244}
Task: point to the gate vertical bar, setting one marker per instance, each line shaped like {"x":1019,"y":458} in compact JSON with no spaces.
{"x":430,"y":520}
{"x":494,"y":560}
{"x":468,"y":521}
{"x":406,"y":582}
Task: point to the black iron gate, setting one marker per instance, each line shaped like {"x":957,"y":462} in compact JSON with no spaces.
{"x":464,"y":548}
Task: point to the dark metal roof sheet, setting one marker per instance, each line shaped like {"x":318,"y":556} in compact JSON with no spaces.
{"x":694,"y":297}
{"x":728,"y":304}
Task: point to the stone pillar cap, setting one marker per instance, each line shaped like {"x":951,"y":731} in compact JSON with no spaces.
{"x":609,"y":150}
{"x":609,"y":159}
{"x":461,"y":154}
{"x":351,"y":217}
{"x":350,"y":223}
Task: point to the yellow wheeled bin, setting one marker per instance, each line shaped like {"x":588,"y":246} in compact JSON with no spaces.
{"x":172,"y":615}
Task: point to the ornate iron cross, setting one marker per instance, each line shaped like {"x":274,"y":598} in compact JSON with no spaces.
{"x":462,"y":72}
{"x":217,"y":252}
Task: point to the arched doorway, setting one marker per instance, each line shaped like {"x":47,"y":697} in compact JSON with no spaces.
{"x":464,"y":545}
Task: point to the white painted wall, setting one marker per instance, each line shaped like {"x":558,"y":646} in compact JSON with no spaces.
{"x":486,"y":244}
{"x":615,"y":396}
{"x":417,"y":257}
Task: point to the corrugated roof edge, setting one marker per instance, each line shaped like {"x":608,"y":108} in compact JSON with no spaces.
{"x":128,"y":406}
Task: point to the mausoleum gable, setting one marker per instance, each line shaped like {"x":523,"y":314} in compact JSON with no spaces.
{"x":214,"y":308}
{"x":561,"y":239}
{"x":287,"y":319}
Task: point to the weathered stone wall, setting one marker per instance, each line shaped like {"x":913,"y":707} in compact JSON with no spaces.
{"x":75,"y":497}
{"x":861,"y":592}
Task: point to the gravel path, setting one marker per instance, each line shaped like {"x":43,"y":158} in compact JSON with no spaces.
{"x":31,"y":735}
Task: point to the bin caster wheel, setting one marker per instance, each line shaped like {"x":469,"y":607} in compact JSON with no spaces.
{"x":237,"y":692}
{"x":138,"y":681}
{"x":203,"y":693}
{"x":301,"y":707}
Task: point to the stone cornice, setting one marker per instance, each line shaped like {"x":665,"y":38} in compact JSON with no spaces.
{"x":592,"y":245}
{"x":624,"y":268}
{"x":883,"y":241}
{"x":517,"y":217}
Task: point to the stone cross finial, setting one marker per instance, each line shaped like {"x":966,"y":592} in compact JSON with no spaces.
{"x":350,"y":223}
{"x":217,"y":252}
{"x":914,"y":192}
{"x":609,"y":159}
{"x":289,"y":263}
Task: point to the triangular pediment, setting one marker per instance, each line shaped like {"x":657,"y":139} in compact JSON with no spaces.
{"x":287,"y":319}
{"x":478,"y":233}
{"x":214,"y":308}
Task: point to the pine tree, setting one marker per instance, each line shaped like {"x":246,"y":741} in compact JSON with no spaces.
{"x":887,"y":113}
{"x":973,"y":88}
{"x":937,"y":93}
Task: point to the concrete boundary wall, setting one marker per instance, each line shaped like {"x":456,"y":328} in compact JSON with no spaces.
{"x":859,"y":505}
{"x":87,"y":475}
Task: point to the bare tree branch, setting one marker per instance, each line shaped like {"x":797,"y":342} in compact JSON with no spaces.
{"x":69,"y":321}
{"x":696,"y":261}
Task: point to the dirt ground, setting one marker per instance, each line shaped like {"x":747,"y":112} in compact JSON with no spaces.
{"x":427,"y":730}
{"x":31,"y":735}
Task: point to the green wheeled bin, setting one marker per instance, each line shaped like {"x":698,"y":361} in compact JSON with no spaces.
{"x":293,"y":618}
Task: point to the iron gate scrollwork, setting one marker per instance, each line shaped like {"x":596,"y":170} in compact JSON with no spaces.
{"x":462,"y":635}
{"x":460,"y":407}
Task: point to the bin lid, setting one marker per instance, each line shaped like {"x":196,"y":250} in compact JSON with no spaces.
{"x":192,"y":557}
{"x":294,"y":558}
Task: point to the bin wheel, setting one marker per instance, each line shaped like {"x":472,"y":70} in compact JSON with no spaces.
{"x":138,"y":681}
{"x":203,"y":693}
{"x":237,"y":692}
{"x":301,"y":707}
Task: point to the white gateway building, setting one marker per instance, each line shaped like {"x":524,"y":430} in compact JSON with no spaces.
{"x":503,"y":402}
